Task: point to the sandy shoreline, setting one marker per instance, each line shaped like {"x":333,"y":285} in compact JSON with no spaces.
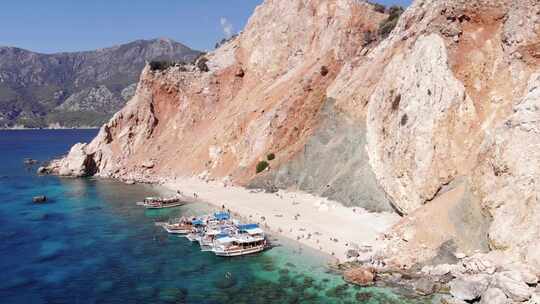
{"x":313,"y":221}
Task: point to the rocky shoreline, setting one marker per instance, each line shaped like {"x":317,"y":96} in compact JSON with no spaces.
{"x":485,"y":278}
{"x":482,"y":278}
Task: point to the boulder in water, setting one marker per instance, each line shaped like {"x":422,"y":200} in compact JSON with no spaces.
{"x":225,"y":282}
{"x":172,"y":295}
{"x":39,"y":199}
{"x":362,"y":276}
{"x":43,"y":170}
{"x":30,"y":161}
{"x":425,"y":286}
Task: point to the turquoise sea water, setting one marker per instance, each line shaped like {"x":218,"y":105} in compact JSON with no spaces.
{"x":90,"y":244}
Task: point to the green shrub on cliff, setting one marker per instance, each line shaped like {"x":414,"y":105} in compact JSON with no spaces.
{"x":271,"y":156}
{"x":262,"y":165}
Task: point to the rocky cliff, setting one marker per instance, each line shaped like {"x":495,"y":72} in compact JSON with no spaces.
{"x":437,"y":121}
{"x":75,"y":89}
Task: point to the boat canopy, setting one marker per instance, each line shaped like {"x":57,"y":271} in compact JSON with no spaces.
{"x":197,"y":222}
{"x":213,"y":232}
{"x":222,"y":235}
{"x":222,"y":216}
{"x":247,"y":227}
{"x":226,"y":239}
{"x":254,"y":231}
{"x":248,"y":239}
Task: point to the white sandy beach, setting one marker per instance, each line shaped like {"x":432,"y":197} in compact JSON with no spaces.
{"x":314,"y":221}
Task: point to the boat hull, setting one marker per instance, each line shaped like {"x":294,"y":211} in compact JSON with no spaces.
{"x":206,"y":248}
{"x":164,"y":207}
{"x":193,"y":238}
{"x":238,"y":252}
{"x":177,"y":231}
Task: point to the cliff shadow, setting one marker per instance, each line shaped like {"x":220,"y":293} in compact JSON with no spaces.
{"x":334,"y":164}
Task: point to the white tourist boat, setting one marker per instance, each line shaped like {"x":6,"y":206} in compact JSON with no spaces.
{"x":249,"y":239}
{"x":215,"y":231}
{"x":197,"y":230}
{"x":219,"y":233}
{"x":207,"y":240}
{"x":182,"y":226}
{"x":238,"y":245}
{"x":161,"y":203}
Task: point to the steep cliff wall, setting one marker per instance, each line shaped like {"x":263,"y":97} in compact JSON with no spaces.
{"x":437,"y":121}
{"x":263,"y":94}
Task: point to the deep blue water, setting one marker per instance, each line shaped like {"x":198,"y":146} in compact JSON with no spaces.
{"x":90,"y":244}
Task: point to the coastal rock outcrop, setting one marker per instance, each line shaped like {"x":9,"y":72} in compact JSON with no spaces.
{"x":77,"y":163}
{"x":39,"y":199}
{"x":437,"y":121}
{"x":469,"y":288}
{"x":362,"y":276}
{"x":488,"y":278}
{"x":494,"y":296}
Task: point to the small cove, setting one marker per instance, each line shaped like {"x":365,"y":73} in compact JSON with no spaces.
{"x":90,"y":244}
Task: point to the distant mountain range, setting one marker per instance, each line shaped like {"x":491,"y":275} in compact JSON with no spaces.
{"x":79,"y":89}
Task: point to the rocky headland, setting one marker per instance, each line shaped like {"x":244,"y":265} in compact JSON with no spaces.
{"x":436,"y":121}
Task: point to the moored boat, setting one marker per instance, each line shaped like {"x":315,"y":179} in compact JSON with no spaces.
{"x":238,"y":245}
{"x":248,"y":239}
{"x":221,"y":234}
{"x":181,"y":226}
{"x":160,"y":203}
{"x":196,"y":231}
{"x":207,"y":240}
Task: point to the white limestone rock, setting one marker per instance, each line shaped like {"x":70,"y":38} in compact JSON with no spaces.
{"x":508,"y":179}
{"x":535,"y":298}
{"x":76,"y":164}
{"x":469,"y":288}
{"x":415,"y":122}
{"x":510,"y":282}
{"x":494,"y":296}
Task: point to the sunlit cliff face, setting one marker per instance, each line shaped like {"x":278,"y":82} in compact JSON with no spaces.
{"x":447,"y":101}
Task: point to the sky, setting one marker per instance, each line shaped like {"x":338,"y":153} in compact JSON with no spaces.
{"x":49,"y":26}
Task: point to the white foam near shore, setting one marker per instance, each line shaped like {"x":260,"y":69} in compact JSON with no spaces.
{"x":314,"y":221}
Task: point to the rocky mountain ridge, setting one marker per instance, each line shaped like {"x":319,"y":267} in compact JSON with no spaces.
{"x":75,"y":89}
{"x":437,"y":121}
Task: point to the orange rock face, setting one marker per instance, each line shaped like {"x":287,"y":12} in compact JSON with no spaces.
{"x":362,"y":276}
{"x":263,"y":95}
